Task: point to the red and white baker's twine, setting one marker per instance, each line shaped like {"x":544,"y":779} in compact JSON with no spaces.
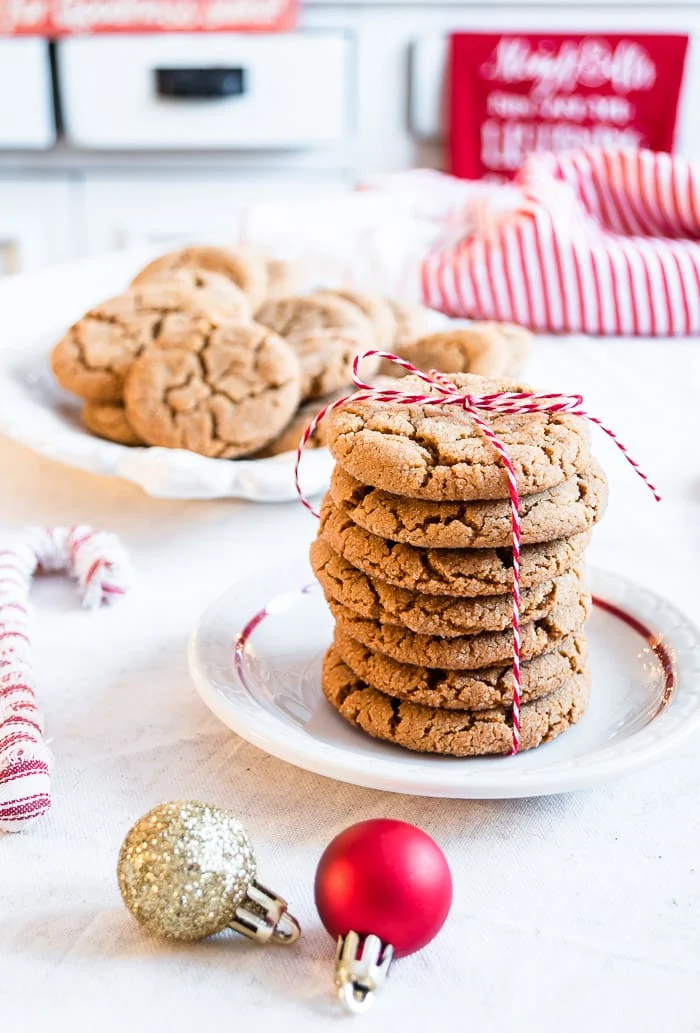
{"x":501,"y":403}
{"x":98,"y":563}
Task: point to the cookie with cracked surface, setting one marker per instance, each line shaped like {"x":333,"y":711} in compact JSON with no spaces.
{"x":444,"y":615}
{"x":465,"y":652}
{"x":412,"y":321}
{"x":455,"y":572}
{"x":463,"y":690}
{"x":488,"y":349}
{"x":437,"y":452}
{"x":283,"y":278}
{"x":377,"y":310}
{"x":225,"y":398}
{"x":326,"y":358}
{"x":448,"y":732}
{"x":235,"y":303}
{"x":290,"y":437}
{"x":94,"y":356}
{"x":108,"y":420}
{"x":570,"y":508}
{"x":245,"y":267}
{"x":327,"y":333}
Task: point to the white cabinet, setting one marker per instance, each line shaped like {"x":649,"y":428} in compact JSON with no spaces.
{"x":26,"y":105}
{"x":220,"y":91}
{"x":162,"y":210}
{"x":39,"y":222}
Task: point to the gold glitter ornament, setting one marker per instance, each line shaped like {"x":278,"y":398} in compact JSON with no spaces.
{"x":186,"y":870}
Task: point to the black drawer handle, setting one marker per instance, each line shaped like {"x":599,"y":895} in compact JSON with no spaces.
{"x":200,"y":83}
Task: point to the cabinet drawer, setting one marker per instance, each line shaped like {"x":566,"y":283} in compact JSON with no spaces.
{"x":26,"y":107}
{"x":224,"y":91}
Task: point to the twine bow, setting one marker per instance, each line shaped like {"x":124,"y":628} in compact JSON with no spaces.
{"x":444,"y":392}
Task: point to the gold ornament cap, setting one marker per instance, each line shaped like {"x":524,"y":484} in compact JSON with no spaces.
{"x":186,"y":870}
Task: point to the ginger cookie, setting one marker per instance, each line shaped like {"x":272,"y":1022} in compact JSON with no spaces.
{"x":283,"y":278}
{"x":488,"y":349}
{"x":377,"y":310}
{"x":327,"y":333}
{"x":94,"y":356}
{"x":437,"y":452}
{"x":570,"y":508}
{"x":225,"y":398}
{"x":326,"y":358}
{"x":463,"y":690}
{"x":243,"y":266}
{"x":444,"y":615}
{"x":108,"y":420}
{"x":412,"y":321}
{"x":288,"y":440}
{"x":235,"y":303}
{"x":464,"y":652}
{"x":456,"y":572}
{"x":452,"y":733}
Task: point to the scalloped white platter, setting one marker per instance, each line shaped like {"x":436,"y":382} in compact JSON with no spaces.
{"x":256,"y":654}
{"x":37,"y":413}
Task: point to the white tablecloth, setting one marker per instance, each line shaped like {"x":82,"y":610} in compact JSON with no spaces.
{"x":573,"y":912}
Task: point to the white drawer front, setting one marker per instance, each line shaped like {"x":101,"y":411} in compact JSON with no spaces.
{"x":224,"y":91}
{"x":26,"y":107}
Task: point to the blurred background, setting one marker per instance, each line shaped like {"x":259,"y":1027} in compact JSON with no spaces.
{"x":144,"y":122}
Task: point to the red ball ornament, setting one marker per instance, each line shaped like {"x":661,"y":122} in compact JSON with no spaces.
{"x":384,"y":887}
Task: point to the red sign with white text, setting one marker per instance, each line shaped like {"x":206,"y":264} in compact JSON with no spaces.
{"x":511,"y":95}
{"x":53,"y":18}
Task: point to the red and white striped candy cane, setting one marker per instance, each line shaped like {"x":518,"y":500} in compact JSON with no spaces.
{"x":444,"y":392}
{"x":98,"y":563}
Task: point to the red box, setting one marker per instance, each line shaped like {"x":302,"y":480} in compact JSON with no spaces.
{"x":512,"y":94}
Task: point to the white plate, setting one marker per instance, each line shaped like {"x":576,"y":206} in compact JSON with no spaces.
{"x":268,"y":691}
{"x":37,"y":413}
{"x":34,"y":411}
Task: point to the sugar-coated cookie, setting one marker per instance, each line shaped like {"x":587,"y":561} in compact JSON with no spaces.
{"x":570,"y":508}
{"x":96,"y":353}
{"x":456,"y":572}
{"x":377,"y":310}
{"x":437,"y":452}
{"x":245,"y":267}
{"x":327,"y":333}
{"x":480,"y":689}
{"x":487,"y":349}
{"x":234,"y":301}
{"x":225,"y":398}
{"x":465,"y":652}
{"x":108,"y":420}
{"x":449,"y":732}
{"x":446,"y":615}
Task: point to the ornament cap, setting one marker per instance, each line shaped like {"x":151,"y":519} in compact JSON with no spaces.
{"x":359,"y":975}
{"x":263,"y":916}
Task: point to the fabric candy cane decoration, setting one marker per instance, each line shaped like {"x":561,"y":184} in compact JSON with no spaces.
{"x":443,"y":392}
{"x":98,"y":563}
{"x":597,"y":241}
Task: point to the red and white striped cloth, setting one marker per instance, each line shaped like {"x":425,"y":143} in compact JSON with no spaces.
{"x":603,"y":242}
{"x":98,"y":563}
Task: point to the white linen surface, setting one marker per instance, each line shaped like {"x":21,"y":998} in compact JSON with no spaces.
{"x":572,"y":912}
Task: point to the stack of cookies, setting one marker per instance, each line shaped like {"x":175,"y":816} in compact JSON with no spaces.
{"x":414,"y":555}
